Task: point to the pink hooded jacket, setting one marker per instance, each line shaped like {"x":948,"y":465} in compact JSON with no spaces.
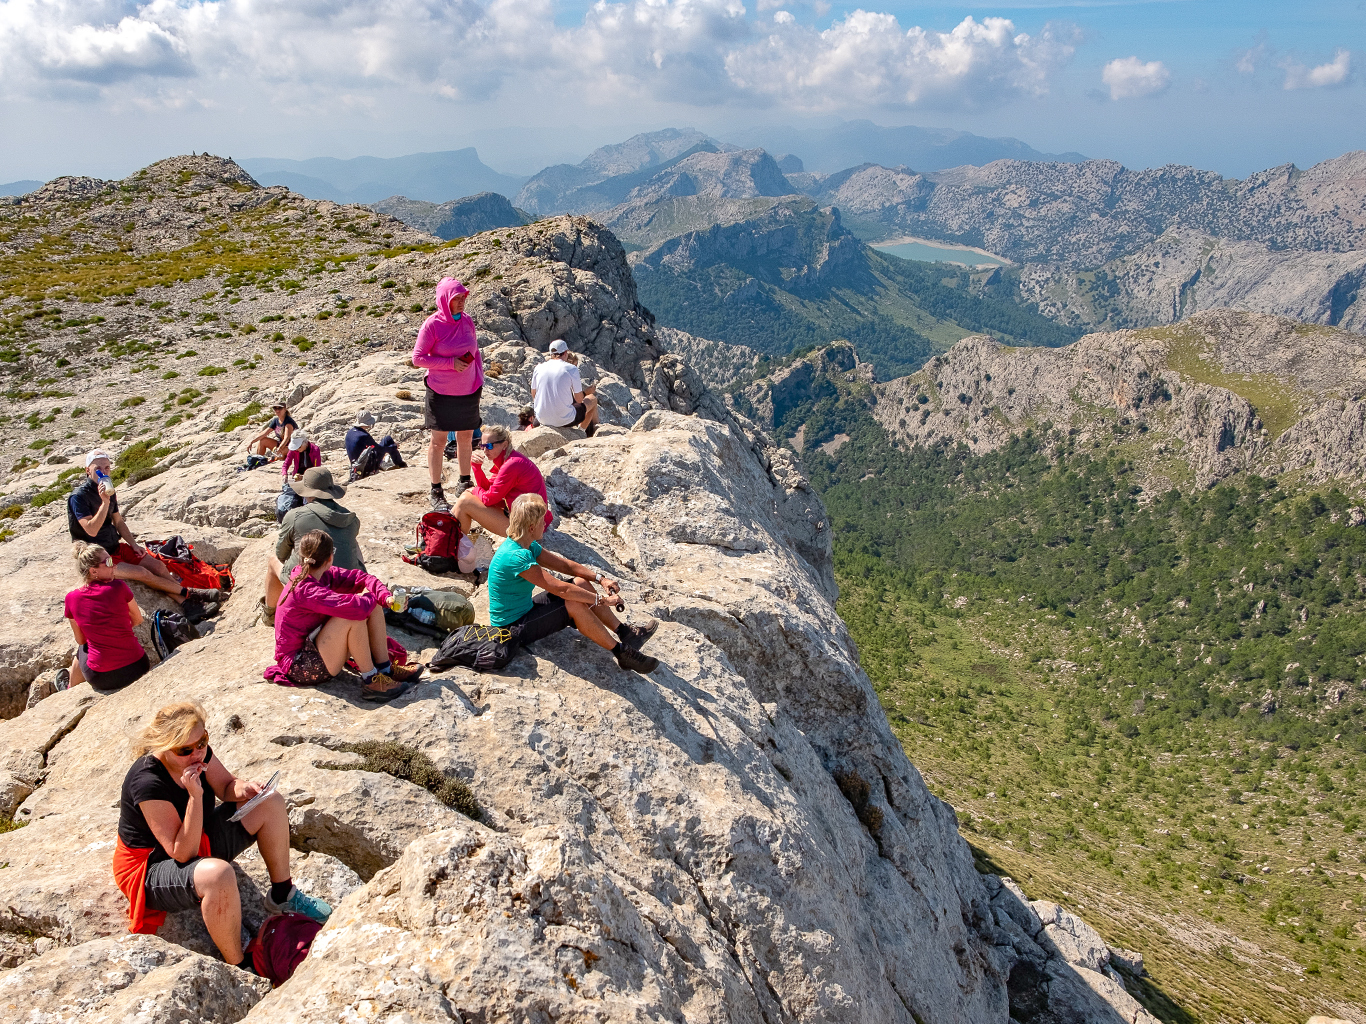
{"x":340,"y":593}
{"x":442,"y":338}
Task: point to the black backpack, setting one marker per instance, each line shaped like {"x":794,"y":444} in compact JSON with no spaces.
{"x":169,"y":631}
{"x":367,"y":463}
{"x":481,"y":648}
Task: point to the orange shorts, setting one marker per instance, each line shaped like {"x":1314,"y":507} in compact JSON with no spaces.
{"x":125,"y":555}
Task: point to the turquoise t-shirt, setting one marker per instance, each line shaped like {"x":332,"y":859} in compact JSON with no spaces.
{"x":509,"y":594}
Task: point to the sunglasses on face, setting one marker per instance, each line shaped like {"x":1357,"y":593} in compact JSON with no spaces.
{"x":488,"y":446}
{"x":187,"y":751}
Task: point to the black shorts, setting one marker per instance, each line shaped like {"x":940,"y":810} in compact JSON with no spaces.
{"x":116,"y":679}
{"x":451,"y":412}
{"x":170,"y":885}
{"x":580,"y":411}
{"x":541,"y":621}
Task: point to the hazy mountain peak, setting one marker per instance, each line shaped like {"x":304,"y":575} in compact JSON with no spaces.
{"x":647,"y":149}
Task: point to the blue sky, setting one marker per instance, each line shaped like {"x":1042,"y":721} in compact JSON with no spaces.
{"x":105,"y":86}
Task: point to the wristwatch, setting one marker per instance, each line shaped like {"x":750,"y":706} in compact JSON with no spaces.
{"x":599,"y":576}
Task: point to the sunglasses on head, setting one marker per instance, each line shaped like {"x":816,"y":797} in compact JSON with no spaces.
{"x":109,"y":561}
{"x":187,"y":751}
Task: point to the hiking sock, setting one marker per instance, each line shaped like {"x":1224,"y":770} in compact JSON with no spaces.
{"x":184,"y":591}
{"x":279,"y":891}
{"x":365,"y":677}
{"x":383,"y":668}
{"x":621,"y":631}
{"x":466,"y":479}
{"x":617,"y":649}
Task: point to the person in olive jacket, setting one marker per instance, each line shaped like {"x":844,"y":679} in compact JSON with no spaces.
{"x":320,"y":511}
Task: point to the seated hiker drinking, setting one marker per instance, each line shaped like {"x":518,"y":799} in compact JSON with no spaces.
{"x":92,"y":513}
{"x":327,"y":614}
{"x":488,"y":502}
{"x":521,"y":565}
{"x":276,"y":437}
{"x":103,"y":613}
{"x":358,"y":439}
{"x":320,"y":511}
{"x":176,"y":843}
{"x":558,"y":395}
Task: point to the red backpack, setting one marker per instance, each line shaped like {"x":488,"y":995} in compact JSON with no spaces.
{"x":281,"y":945}
{"x":189,"y":569}
{"x":438,"y":543}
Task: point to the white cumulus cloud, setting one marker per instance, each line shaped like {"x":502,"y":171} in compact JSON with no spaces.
{"x":1130,"y":78}
{"x":867,"y":58}
{"x":313,"y":53}
{"x":1335,"y":72}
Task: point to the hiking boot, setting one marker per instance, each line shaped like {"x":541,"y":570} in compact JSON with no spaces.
{"x":462,"y":486}
{"x":205,"y":595}
{"x":267,"y":612}
{"x":63,"y":680}
{"x":300,"y":902}
{"x":438,"y":498}
{"x":197,"y":610}
{"x":404,"y":673}
{"x":384,"y":696}
{"x":452,"y":450}
{"x":590,"y":431}
{"x":633,"y":661}
{"x":635,"y":636}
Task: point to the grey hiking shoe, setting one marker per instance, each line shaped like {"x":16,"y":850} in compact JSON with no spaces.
{"x":267,"y":612}
{"x":636,"y":635}
{"x":438,"y":499}
{"x":206,"y":595}
{"x":633,"y":661}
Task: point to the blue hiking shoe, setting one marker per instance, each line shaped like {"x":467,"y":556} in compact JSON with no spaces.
{"x":300,"y":902}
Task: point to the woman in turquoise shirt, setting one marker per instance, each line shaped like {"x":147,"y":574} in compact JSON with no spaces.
{"x":521,"y":565}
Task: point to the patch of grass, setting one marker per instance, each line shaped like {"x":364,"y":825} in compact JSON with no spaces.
{"x":212,"y":371}
{"x":240,"y":418}
{"x":11,"y":512}
{"x":410,"y":764}
{"x":9,"y":824}
{"x":140,"y":461}
{"x":131,"y":403}
{"x":59,"y":488}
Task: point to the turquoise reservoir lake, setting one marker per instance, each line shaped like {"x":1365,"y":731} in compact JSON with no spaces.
{"x":928,"y":252}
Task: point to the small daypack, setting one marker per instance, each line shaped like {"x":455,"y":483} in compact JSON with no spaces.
{"x":481,"y":648}
{"x":169,"y":631}
{"x":450,"y":610}
{"x":281,"y":945}
{"x":367,"y":462}
{"x":438,"y":543}
{"x":192,"y":571}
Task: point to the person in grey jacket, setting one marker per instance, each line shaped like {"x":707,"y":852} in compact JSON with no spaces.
{"x":320,"y":511}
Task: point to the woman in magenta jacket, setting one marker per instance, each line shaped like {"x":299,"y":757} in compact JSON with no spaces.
{"x":448,"y":350}
{"x":327,"y":614}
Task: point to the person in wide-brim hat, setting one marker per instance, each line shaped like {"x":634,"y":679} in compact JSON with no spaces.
{"x":318,"y":483}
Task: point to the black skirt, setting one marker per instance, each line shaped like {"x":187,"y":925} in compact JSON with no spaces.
{"x":451,"y":412}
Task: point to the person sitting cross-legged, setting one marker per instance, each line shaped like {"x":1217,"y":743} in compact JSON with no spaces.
{"x":488,"y":502}
{"x":521,"y":565}
{"x":358,"y":438}
{"x":176,"y":842}
{"x":328,"y":614}
{"x":92,"y":513}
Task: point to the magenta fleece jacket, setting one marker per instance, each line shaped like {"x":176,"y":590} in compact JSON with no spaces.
{"x":344,"y":593}
{"x":441,"y":339}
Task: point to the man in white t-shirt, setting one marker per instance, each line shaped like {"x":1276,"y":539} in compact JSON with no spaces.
{"x":558,"y":394}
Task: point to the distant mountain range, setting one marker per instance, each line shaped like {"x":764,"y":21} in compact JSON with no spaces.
{"x":459,"y":218}
{"x":861,"y":142}
{"x":432,"y":177}
{"x":19,"y":188}
{"x":794,"y":276}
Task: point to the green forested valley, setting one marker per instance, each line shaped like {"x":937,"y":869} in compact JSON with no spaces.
{"x":1144,"y":706}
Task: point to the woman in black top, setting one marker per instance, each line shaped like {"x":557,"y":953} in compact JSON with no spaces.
{"x":275,"y":438}
{"x":168,"y":813}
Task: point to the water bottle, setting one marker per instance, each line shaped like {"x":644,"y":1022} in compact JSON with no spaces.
{"x":398,"y":599}
{"x":427,"y":618}
{"x":103,"y":478}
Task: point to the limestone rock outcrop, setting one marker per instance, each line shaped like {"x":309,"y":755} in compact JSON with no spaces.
{"x":738,"y":836}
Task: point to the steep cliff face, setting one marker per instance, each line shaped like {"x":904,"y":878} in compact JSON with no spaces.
{"x":1221,"y":392}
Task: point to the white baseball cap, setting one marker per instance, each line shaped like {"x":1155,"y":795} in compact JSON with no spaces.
{"x":297,"y":440}
{"x":558,"y":346}
{"x":98,"y":453}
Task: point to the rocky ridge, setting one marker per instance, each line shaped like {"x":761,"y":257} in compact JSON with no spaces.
{"x":457,"y":218}
{"x":1220,"y":393}
{"x":737,"y":837}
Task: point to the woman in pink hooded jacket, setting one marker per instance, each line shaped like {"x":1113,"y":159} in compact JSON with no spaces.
{"x":448,"y":350}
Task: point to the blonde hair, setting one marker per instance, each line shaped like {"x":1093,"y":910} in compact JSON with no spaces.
{"x":496,"y":434}
{"x":171,"y":726}
{"x":315,"y":548}
{"x":526,"y":511}
{"x":87,"y":557}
